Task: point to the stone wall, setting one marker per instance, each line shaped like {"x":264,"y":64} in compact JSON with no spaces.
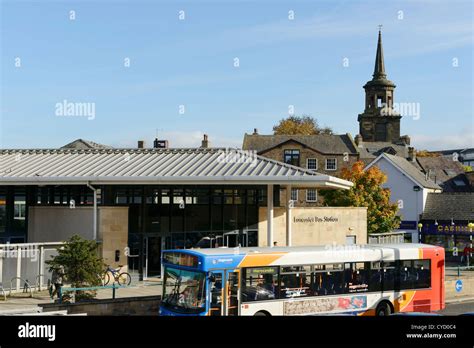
{"x":343,"y":161}
{"x":146,"y":305}
{"x":315,"y":226}
{"x":57,"y":224}
{"x":113,"y":232}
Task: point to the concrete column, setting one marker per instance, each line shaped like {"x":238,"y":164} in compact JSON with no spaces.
{"x":40,"y":266}
{"x":18,"y":267}
{"x":2,"y":254}
{"x":288,"y":216}
{"x":94,"y":228}
{"x":270,"y":215}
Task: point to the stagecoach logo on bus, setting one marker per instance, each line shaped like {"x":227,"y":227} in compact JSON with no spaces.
{"x":215,"y":261}
{"x":29,"y":252}
{"x":345,"y":250}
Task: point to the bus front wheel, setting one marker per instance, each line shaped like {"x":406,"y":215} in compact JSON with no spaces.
{"x":261,"y":314}
{"x":383,"y":309}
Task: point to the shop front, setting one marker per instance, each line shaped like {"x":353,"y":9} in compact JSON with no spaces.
{"x":455,"y":236}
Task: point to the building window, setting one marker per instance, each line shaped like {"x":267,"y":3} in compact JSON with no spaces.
{"x":311,"y":195}
{"x":3,"y":211}
{"x":294,"y":194}
{"x":292,"y":157}
{"x":312,"y":163}
{"x":331,"y":163}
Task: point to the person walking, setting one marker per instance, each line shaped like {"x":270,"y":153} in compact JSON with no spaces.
{"x":57,"y":280}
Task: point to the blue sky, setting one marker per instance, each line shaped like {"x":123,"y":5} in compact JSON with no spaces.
{"x":190,"y":62}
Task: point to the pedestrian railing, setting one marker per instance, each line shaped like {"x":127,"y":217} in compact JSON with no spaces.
{"x":457,"y":271}
{"x":26,"y":285}
{"x":4,"y":294}
{"x":114,"y":287}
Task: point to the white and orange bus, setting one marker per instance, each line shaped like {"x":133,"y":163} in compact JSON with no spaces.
{"x":348,"y":279}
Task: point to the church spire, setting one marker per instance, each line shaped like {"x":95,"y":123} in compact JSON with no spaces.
{"x":379,"y":70}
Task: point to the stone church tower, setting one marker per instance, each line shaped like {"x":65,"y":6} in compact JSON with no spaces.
{"x":379,"y":122}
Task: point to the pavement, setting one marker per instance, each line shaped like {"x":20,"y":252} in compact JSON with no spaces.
{"x":459,"y":307}
{"x":21,"y":302}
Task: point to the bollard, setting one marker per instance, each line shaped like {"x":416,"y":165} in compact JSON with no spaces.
{"x":113,"y":291}
{"x":459,"y":271}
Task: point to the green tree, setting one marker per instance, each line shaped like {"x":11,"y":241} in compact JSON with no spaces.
{"x":300,"y":125}
{"x":366,"y":192}
{"x":467,"y":168}
{"x":426,"y":153}
{"x":82,"y":265}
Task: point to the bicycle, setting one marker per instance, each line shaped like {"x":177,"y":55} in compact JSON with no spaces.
{"x":122,"y":278}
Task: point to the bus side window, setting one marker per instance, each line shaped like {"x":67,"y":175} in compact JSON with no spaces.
{"x":356,"y":277}
{"x":259,"y":284}
{"x":375,"y":276}
{"x":423,"y":271}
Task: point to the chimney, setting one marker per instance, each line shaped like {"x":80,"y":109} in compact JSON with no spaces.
{"x":411,"y":154}
{"x":141,"y":144}
{"x":358,"y":140}
{"x":255,"y":131}
{"x":160,"y":144}
{"x":405,"y":139}
{"x":205,"y":142}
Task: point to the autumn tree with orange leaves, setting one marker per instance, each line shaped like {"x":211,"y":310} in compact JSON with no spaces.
{"x":300,"y":125}
{"x":366,"y":192}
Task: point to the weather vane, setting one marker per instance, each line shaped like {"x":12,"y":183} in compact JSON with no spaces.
{"x":380,"y":27}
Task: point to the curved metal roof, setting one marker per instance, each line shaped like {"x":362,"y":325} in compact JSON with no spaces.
{"x":154,"y":166}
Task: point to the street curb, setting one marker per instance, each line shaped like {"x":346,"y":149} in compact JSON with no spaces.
{"x":460,"y":299}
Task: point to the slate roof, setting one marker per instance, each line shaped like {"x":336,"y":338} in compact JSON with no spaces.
{"x":84,"y":144}
{"x":371,"y":150}
{"x":411,"y":170}
{"x":445,"y":172}
{"x":449,"y":205}
{"x":324,"y":143}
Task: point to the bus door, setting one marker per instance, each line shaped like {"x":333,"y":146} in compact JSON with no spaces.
{"x":232,"y":293}
{"x":216,"y":295}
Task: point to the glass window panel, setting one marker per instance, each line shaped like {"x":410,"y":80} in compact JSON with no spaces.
{"x":311,"y":195}
{"x":259,"y":284}
{"x":121,"y":196}
{"x":312,"y":163}
{"x":423,"y":272}
{"x":331,"y":164}
{"x":390,"y":275}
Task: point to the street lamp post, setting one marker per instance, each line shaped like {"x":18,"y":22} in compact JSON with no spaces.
{"x":420,"y":225}
{"x":469,"y":254}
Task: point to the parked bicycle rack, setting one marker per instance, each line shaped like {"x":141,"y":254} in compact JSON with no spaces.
{"x":26,"y":286}
{"x":3,"y":292}
{"x":38,"y":281}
